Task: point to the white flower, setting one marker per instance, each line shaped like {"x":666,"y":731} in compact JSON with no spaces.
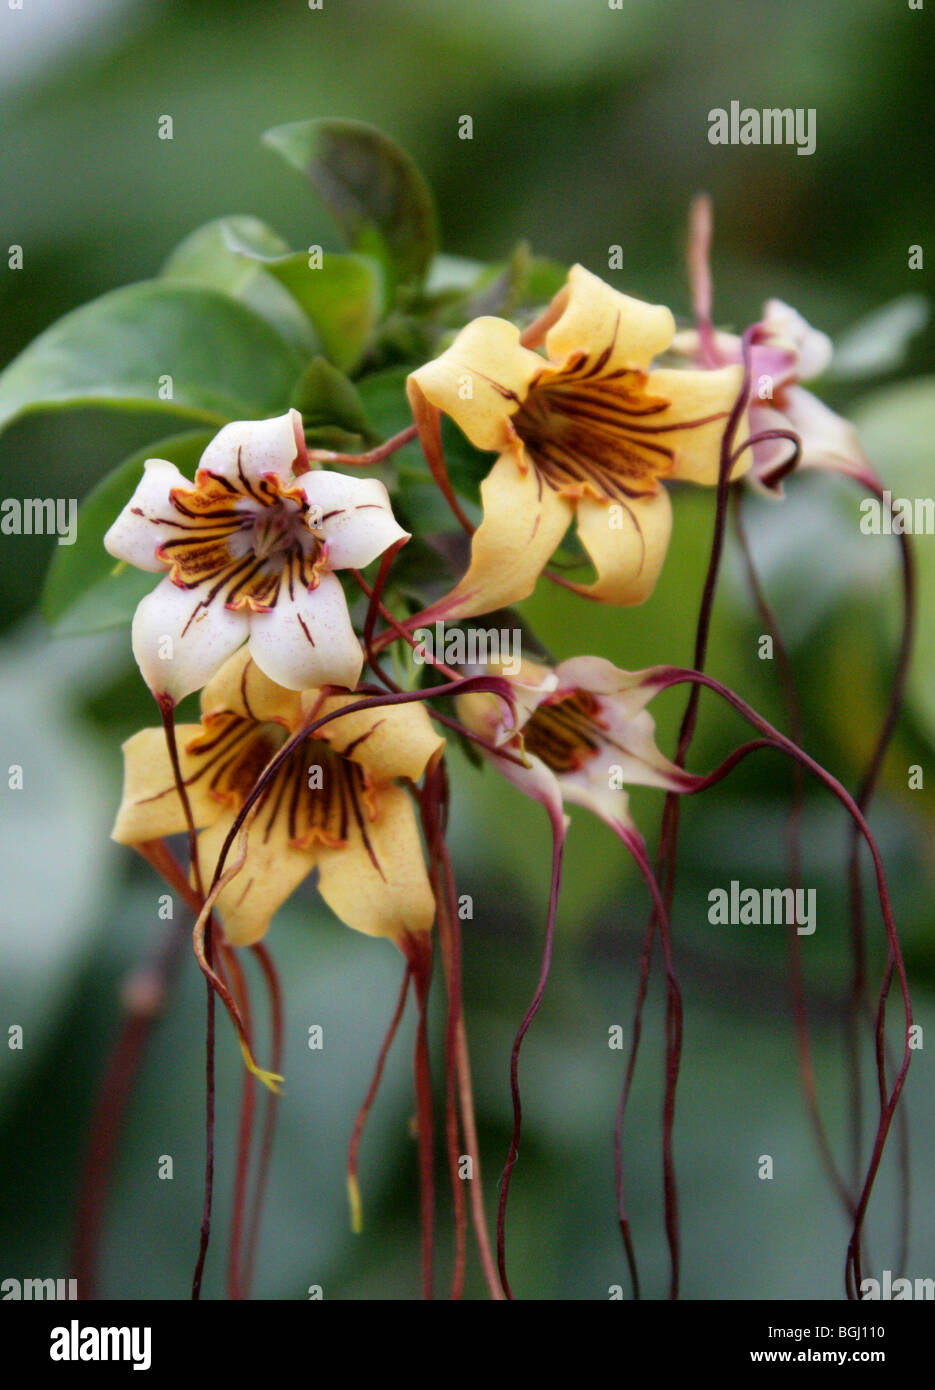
{"x":582,"y":734}
{"x":250,"y":551}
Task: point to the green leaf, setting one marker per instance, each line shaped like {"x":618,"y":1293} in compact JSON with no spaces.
{"x":384,"y":398}
{"x":452,"y":274}
{"x":385,"y":401}
{"x":327,"y":399}
{"x":212,"y":254}
{"x":459,"y":290}
{"x":226,"y":255}
{"x":342,"y":298}
{"x":372,"y":188}
{"x":85,"y":589}
{"x":225,"y":362}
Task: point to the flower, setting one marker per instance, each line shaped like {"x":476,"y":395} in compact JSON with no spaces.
{"x":587,"y":433}
{"x":338,"y":803}
{"x":784,"y":350}
{"x":250,"y":551}
{"x":583,"y":733}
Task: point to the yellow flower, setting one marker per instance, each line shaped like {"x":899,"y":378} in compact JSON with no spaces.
{"x":336,"y":803}
{"x":587,"y":432}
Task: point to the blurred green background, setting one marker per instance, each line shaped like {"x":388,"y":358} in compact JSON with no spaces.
{"x":590,"y":130}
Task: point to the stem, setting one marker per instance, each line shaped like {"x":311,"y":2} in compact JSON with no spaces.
{"x":466,"y":1098}
{"x":797,"y":986}
{"x":558,"y":845}
{"x":668,"y":841}
{"x":353,"y":1187}
{"x":419,"y":955}
{"x":205,"y":1232}
{"x":383,"y":451}
{"x":233,"y":971}
{"x":270,"y":1114}
{"x":635,"y":844}
{"x":857,"y":999}
{"x":167,"y":710}
{"x":143,"y":999}
{"x":434,"y":808}
{"x":667,"y":676}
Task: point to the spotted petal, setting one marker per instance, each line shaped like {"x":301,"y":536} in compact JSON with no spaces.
{"x":241,"y":688}
{"x":377,"y":884}
{"x":307,"y":637}
{"x":182,"y":636}
{"x":149,"y":518}
{"x":387,"y":742}
{"x":698,"y":395}
{"x":524,"y":522}
{"x":627,"y":544}
{"x":150,"y":807}
{"x":246,"y":450}
{"x":354,"y":516}
{"x":480,"y":380}
{"x":272,"y":871}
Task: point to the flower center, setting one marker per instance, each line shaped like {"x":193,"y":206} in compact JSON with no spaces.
{"x":247,"y":543}
{"x":279,"y":527}
{"x":589,"y":435}
{"x":314,"y":797}
{"x":566,"y":733}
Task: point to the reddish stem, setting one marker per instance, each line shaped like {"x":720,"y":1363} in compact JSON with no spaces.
{"x":143,"y":996}
{"x":558,"y":845}
{"x":373,"y":456}
{"x":418,"y":953}
{"x":271,"y":1112}
{"x":667,"y":676}
{"x":797,"y":986}
{"x":353,"y":1187}
{"x":232,"y":973}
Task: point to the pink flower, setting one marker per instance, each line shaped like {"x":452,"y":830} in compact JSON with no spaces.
{"x":784,"y":350}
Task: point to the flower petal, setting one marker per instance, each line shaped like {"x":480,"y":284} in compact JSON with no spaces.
{"x":389,"y":741}
{"x":524,"y":522}
{"x":697,"y":395}
{"x":148,"y":519}
{"x":534,"y":780}
{"x":627,"y":545}
{"x":307,"y":638}
{"x":182,"y":636}
{"x":813,"y":348}
{"x":590,"y":318}
{"x":241,"y":688}
{"x":353,"y":514}
{"x":628,"y":689}
{"x":245,"y":450}
{"x":610,"y":804}
{"x":828,"y":440}
{"x":273,"y":869}
{"x":389,"y":900}
{"x":629,"y":748}
{"x":150,"y":807}
{"x":480,"y":380}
